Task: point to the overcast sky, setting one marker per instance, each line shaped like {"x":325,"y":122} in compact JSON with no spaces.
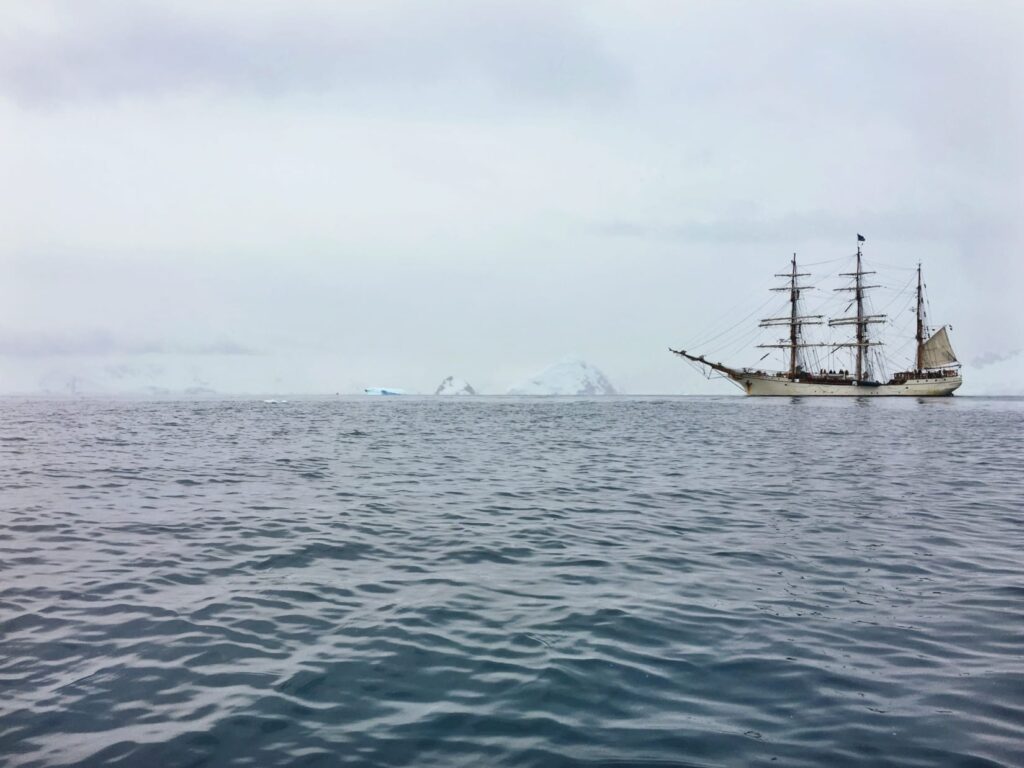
{"x":321,"y":196}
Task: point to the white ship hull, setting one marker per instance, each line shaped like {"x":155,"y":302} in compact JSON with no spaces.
{"x":776,"y":386}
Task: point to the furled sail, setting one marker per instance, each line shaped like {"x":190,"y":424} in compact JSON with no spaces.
{"x":937,"y":351}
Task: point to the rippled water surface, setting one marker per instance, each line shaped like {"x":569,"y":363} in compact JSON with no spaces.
{"x":428,"y":582}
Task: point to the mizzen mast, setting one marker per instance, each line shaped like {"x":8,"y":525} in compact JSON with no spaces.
{"x":934,"y":352}
{"x":795,"y":319}
{"x":861,"y":320}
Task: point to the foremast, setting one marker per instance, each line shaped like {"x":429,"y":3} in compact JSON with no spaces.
{"x":795,"y":320}
{"x":861,"y":320}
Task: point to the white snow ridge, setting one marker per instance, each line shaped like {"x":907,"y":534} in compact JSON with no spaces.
{"x":454,"y":386}
{"x":572,"y":377}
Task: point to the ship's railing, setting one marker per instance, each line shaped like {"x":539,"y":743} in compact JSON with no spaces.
{"x":904,"y":376}
{"x":823,"y":375}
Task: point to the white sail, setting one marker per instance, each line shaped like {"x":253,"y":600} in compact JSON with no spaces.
{"x":937,"y":351}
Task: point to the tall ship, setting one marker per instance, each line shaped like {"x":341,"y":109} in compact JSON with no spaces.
{"x":811,"y":359}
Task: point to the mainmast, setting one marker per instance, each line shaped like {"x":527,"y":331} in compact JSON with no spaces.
{"x":794,"y":295}
{"x":862,"y":321}
{"x":919,"y":362}
{"x":795,"y":320}
{"x":861,"y":327}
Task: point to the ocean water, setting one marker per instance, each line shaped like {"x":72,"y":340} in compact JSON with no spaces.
{"x":501,"y":582}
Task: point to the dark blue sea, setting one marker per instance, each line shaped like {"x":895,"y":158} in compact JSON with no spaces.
{"x":512,"y":582}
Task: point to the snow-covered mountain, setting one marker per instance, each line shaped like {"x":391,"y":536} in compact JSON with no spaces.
{"x":117,"y":377}
{"x":570,"y":377}
{"x":454,"y":386}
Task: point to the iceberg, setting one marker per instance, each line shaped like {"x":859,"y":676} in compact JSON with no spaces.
{"x":383,"y":391}
{"x":570,"y":377}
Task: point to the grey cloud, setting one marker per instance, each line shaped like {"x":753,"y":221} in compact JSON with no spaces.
{"x":991,"y":358}
{"x":140,"y":51}
{"x":99,"y":343}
